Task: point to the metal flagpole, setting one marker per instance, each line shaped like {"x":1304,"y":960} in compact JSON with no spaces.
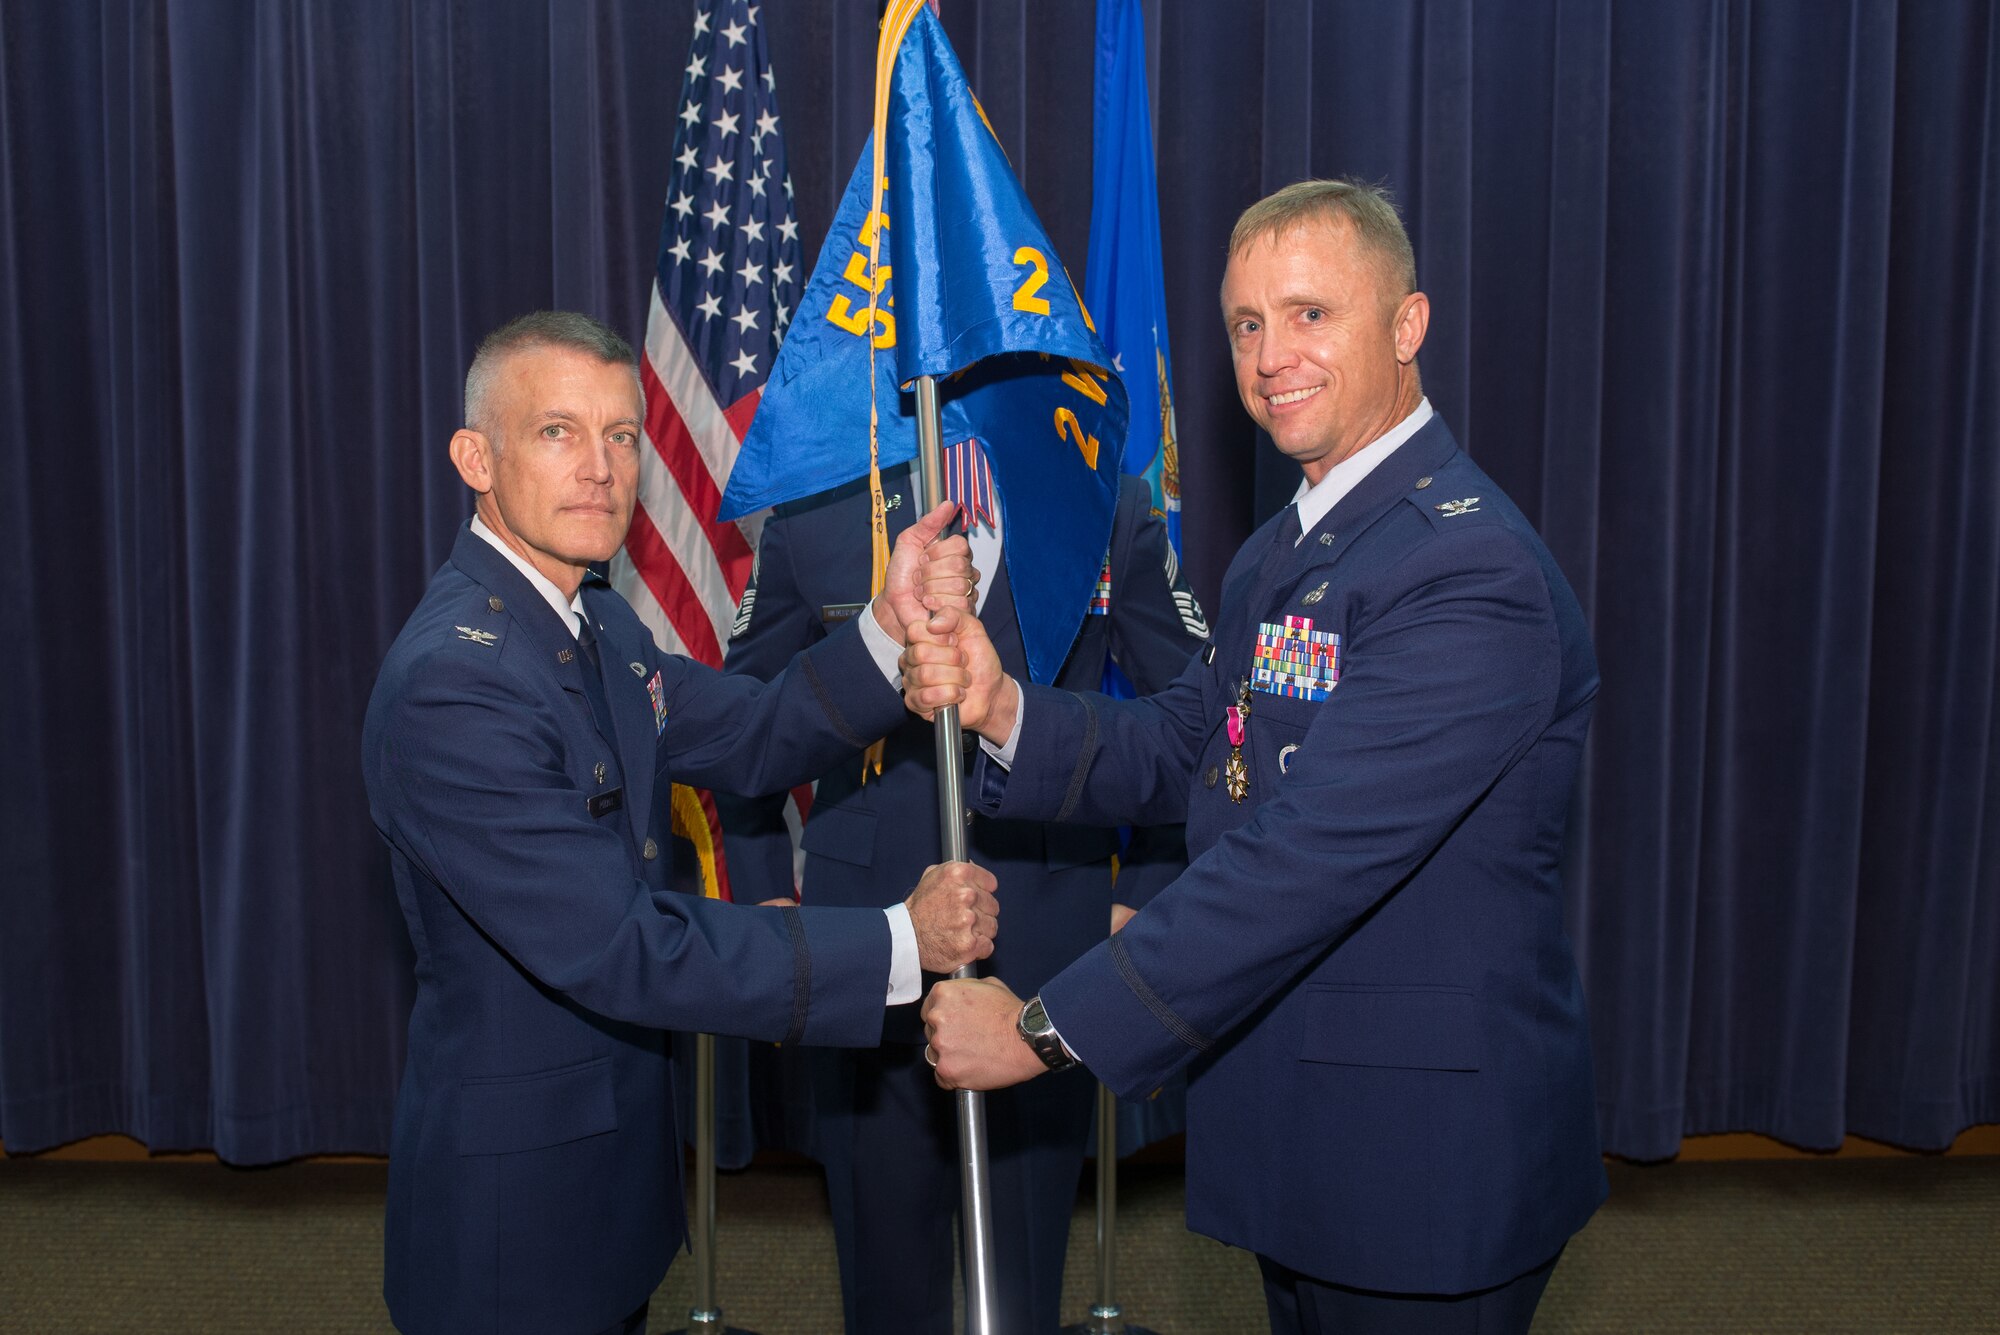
{"x":976,"y":1202}
{"x":705,"y":1316}
{"x":1104,"y":1313}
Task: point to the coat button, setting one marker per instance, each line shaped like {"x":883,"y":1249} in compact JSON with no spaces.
{"x":1209,"y":778}
{"x":598,"y":773}
{"x":651,"y":851}
{"x":1423,"y":482}
{"x":496,"y":604}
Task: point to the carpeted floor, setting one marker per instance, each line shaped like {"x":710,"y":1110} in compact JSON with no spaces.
{"x":1884,"y":1245}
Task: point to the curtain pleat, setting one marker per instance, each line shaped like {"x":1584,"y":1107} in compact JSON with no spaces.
{"x":1714,"y":295}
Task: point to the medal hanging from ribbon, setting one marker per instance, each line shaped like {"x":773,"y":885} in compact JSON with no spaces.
{"x":1236,"y":774}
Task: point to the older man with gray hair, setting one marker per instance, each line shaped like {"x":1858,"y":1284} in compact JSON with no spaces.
{"x":518,"y":750}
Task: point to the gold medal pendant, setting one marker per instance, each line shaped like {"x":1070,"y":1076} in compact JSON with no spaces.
{"x":1236,"y":774}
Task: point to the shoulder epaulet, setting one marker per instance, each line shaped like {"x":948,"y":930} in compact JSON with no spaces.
{"x":483,"y":623}
{"x":1447,"y":502}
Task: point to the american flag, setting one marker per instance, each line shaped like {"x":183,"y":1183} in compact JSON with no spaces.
{"x":725,"y":285}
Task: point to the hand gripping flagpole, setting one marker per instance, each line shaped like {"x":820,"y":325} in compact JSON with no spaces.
{"x":976,"y":1200}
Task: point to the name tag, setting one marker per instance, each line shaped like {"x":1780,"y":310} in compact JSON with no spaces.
{"x":607,"y":802}
{"x":832,"y":613}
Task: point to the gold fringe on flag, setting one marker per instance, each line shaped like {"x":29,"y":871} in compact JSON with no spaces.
{"x":691,"y":824}
{"x":895,"y":24}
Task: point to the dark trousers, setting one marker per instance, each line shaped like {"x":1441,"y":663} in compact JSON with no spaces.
{"x":889,"y":1139}
{"x":1301,"y":1305}
{"x":635,"y":1324}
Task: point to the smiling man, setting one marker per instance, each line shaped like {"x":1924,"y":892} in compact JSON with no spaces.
{"x":1364,"y":969}
{"x":518,"y":751}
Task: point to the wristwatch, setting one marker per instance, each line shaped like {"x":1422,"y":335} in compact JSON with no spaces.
{"x":1038,"y":1033}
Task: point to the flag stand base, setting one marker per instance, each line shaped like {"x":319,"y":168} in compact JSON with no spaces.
{"x":1104,"y":1323}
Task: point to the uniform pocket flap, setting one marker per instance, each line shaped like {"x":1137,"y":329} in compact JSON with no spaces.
{"x":1417,"y":1028}
{"x":503,"y":1114}
{"x":841,"y":833}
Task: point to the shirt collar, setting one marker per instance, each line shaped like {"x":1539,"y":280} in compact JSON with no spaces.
{"x":1314,"y":500}
{"x":571,"y":612}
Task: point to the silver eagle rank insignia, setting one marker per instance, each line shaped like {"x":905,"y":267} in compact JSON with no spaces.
{"x":476,"y":636}
{"x":1453,"y":509}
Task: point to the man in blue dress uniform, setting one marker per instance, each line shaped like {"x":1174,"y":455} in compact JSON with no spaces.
{"x":518,"y":751}
{"x":1364,"y":968}
{"x":887,"y":1135}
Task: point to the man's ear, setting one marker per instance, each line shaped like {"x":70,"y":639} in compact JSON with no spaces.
{"x":472,"y":455}
{"x":1413,"y":319}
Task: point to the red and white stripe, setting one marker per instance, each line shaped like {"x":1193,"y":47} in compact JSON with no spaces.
{"x":682,"y":569}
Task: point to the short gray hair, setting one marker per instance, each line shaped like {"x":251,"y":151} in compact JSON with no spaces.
{"x":1370,"y":208}
{"x":539,"y":329}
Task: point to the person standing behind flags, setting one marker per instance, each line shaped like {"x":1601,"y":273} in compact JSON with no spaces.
{"x":1364,"y":969}
{"x":886,"y":1134}
{"x":517,"y":750}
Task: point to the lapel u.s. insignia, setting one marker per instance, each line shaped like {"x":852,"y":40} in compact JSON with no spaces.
{"x":658,"y":695}
{"x":1316,"y":594}
{"x":1453,"y":509}
{"x":476,"y":636}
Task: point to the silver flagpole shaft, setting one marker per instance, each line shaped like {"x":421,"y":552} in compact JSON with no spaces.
{"x":704,"y":1316}
{"x":976,"y":1206}
{"x":1106,"y":1311}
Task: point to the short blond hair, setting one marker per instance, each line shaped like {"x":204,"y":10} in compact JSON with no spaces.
{"x":1370,"y":209}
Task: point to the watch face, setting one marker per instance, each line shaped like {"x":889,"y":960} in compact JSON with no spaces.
{"x":1033,"y":1018}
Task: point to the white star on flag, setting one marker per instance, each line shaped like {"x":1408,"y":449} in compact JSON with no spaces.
{"x":727,"y":278}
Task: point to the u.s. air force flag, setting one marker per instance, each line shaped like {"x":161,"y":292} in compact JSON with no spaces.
{"x":963,"y":285}
{"x":1123,"y":274}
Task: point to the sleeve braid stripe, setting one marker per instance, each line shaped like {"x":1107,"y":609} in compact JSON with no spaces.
{"x":802,"y":974}
{"x":832,"y":711}
{"x":1162,"y":1012}
{"x":1074,"y":794}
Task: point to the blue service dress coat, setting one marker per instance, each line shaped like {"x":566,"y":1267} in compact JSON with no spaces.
{"x":534,"y":1173}
{"x":863,"y":841}
{"x":1364,"y":968}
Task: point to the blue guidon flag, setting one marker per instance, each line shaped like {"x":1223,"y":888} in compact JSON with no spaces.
{"x":937,"y":265}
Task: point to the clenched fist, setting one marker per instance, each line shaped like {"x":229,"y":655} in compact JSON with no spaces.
{"x":926,"y":573}
{"x":970,"y":1024}
{"x":955,"y":915}
{"x":948,"y":660}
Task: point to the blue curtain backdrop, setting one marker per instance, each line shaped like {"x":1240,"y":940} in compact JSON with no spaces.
{"x":1715,"y":290}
